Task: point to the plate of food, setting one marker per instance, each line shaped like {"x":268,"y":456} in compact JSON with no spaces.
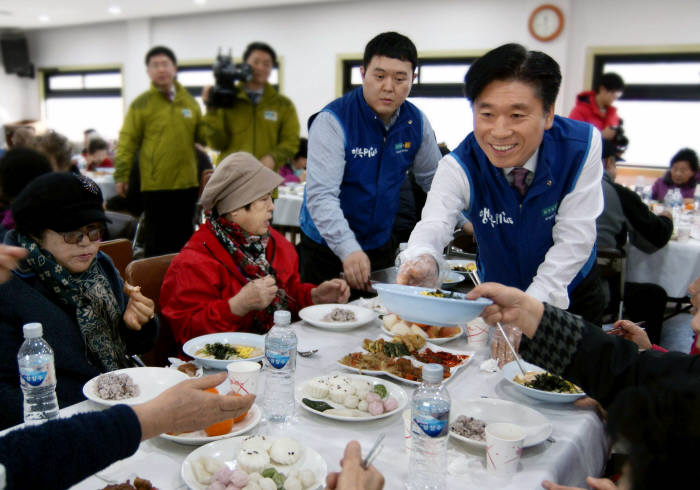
{"x":541,"y":385}
{"x":350,"y":397}
{"x":468,"y":420}
{"x":429,"y":306}
{"x":217,"y":350}
{"x":402,"y":358}
{"x":453,"y":278}
{"x":336,"y":316}
{"x":221,"y":430}
{"x":460,"y":266}
{"x":393,"y":325}
{"x":131,"y":386}
{"x":270,"y":462}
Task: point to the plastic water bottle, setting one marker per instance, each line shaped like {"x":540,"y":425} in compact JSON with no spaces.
{"x":280,"y":364}
{"x":696,"y":197}
{"x":37,"y":376}
{"x":430,"y":420}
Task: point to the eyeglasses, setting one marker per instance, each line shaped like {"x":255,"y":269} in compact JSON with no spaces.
{"x":93,"y":233}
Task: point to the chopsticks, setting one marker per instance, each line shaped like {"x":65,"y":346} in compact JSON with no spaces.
{"x":616,"y":330}
{"x":374,"y":452}
{"x":474,"y":276}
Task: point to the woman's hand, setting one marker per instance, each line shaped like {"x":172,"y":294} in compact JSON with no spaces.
{"x":333,"y":291}
{"x":510,"y":305}
{"x":254,"y":296}
{"x":353,"y":476}
{"x":139,"y":310}
{"x":186,"y":407}
{"x":631,"y":331}
{"x":9,"y":259}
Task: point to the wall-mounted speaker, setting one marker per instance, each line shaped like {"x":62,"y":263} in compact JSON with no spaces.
{"x":15,"y":56}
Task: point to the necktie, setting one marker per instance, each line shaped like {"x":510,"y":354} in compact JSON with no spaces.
{"x":519,"y":176}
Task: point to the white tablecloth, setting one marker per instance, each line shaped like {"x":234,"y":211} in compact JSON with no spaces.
{"x":288,"y":205}
{"x":580,"y":446}
{"x":105,"y":180}
{"x":674,"y":267}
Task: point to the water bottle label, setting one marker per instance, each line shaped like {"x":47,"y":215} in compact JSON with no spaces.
{"x":278,"y":359}
{"x":433,"y":426}
{"x":37,"y":375}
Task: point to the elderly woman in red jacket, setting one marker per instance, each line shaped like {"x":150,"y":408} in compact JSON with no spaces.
{"x":236,"y":271}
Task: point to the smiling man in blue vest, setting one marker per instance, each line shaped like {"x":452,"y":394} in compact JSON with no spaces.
{"x":529,"y":182}
{"x":360,"y":148}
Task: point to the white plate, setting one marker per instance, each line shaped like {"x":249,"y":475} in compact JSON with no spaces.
{"x":459,"y":263}
{"x":199,"y":437}
{"x":453,"y":278}
{"x":409,"y":304}
{"x":152,"y":381}
{"x":436,"y":340}
{"x":453,"y":370}
{"x":511,"y":369}
{"x":392,"y":390}
{"x":239,"y":338}
{"x":313,"y":315}
{"x":226,"y":451}
{"x":536,"y":425}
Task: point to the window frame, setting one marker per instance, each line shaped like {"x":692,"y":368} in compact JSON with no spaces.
{"x":650,"y":92}
{"x":419,"y":89}
{"x":47,"y":92}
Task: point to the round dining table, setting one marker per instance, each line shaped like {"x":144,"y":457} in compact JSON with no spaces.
{"x":577,"y":447}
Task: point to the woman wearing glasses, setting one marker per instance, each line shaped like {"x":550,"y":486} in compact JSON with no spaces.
{"x":236,"y":271}
{"x":71,"y":288}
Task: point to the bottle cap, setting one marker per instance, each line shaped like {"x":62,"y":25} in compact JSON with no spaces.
{"x":432,"y":373}
{"x":282,"y":317}
{"x":32,"y":330}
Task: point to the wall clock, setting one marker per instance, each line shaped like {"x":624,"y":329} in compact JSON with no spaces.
{"x":546,"y":22}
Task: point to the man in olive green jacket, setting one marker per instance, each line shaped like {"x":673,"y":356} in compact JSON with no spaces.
{"x":161,"y":128}
{"x":261,"y":121}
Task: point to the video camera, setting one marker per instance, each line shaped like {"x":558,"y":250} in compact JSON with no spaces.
{"x":620,"y":140}
{"x":226,"y":73}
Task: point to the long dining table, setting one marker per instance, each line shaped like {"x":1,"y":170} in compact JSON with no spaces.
{"x":578,"y":446}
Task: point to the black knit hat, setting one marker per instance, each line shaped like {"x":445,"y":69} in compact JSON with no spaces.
{"x":58,"y":202}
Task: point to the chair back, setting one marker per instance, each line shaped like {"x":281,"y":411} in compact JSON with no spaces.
{"x":149,"y":273}
{"x":612,"y":263}
{"x":120,"y":252}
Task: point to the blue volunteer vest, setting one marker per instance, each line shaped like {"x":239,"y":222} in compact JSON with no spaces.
{"x":376,"y":162}
{"x":513,"y":237}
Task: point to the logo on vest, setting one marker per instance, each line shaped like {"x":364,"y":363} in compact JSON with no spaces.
{"x":550,"y":211}
{"x":402,"y":147}
{"x":494,"y":219}
{"x":358,"y":152}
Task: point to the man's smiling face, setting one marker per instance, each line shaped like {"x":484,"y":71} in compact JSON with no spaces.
{"x":509,"y":122}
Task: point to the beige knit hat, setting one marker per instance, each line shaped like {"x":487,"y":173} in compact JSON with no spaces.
{"x":238,"y":180}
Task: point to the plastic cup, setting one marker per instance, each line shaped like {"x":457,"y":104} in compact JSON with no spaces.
{"x":406,"y":416}
{"x":478,"y":332}
{"x":504,"y":444}
{"x":243,"y":377}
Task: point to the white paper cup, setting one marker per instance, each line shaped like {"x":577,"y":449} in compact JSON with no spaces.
{"x":406,"y":416}
{"x":504,"y":443}
{"x":243,"y":377}
{"x":478,"y":332}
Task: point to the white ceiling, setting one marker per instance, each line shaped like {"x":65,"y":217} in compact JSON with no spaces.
{"x":43,"y":14}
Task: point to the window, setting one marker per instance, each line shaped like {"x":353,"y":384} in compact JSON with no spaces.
{"x":75,"y":100}
{"x":438,"y":91}
{"x":660,"y":105}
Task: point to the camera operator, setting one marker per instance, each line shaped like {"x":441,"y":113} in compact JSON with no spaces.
{"x":260,"y":120}
{"x":596,"y":107}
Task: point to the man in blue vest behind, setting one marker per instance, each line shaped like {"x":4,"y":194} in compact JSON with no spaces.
{"x":360,"y":148}
{"x":529,"y":182}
